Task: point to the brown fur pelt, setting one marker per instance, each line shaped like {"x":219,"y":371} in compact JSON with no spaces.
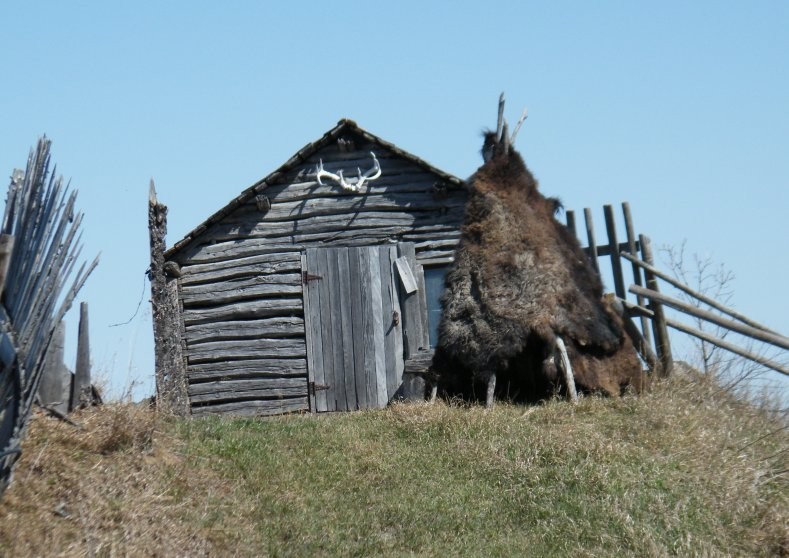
{"x":519,"y":280}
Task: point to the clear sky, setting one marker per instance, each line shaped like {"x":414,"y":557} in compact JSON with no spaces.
{"x":680,"y":108}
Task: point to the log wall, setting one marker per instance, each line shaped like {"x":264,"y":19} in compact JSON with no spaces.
{"x":241,"y":280}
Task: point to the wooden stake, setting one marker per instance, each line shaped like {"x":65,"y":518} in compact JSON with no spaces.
{"x":6,"y":248}
{"x":491,"y":391}
{"x":81,"y":395}
{"x":613,"y":246}
{"x":590,"y":238}
{"x":570,"y":215}
{"x":633,"y":249}
{"x":567,"y":369}
{"x":54,"y":391}
{"x":662,"y":342}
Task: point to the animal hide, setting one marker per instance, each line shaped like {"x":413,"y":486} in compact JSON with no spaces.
{"x":520,"y":279}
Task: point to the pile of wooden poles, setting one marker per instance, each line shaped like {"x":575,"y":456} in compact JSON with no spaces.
{"x":39,"y":253}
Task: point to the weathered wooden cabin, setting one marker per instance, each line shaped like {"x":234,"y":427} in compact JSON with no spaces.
{"x":302,"y":294}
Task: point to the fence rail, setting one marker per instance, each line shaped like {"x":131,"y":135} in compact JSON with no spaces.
{"x":649,"y":302}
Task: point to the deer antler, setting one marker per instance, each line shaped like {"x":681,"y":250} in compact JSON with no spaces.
{"x":355,"y":185}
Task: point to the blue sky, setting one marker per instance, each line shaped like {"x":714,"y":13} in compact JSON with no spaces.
{"x":680,"y":108}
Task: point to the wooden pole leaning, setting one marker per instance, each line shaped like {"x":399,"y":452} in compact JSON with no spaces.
{"x":659,"y":328}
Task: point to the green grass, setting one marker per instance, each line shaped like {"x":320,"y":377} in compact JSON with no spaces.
{"x":664,"y":474}
{"x":686,"y":470}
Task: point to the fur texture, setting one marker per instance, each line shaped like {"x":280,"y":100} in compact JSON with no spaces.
{"x":520,"y":279}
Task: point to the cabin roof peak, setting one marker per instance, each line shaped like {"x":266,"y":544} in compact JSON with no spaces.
{"x":343,"y":126}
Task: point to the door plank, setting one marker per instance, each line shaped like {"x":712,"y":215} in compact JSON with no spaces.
{"x":326,"y":329}
{"x":391,"y":318}
{"x":346,"y":325}
{"x":355,"y":279}
{"x":379,"y":345}
{"x":335,"y":304}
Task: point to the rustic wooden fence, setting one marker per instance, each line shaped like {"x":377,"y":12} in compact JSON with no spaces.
{"x":61,"y":390}
{"x":39,"y":253}
{"x":647,"y":302}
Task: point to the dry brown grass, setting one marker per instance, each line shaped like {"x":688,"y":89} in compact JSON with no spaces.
{"x":685,"y":470}
{"x":116,"y":486}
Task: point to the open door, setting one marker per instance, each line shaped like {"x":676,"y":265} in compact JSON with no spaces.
{"x":356,"y":309}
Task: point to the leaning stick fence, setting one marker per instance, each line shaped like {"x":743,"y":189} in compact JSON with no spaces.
{"x":647,"y":302}
{"x":39,"y":252}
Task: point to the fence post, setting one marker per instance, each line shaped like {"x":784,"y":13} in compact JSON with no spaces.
{"x":613,"y":247}
{"x":55,"y":388}
{"x":171,"y":382}
{"x":660,"y":330}
{"x":631,"y":246}
{"x":81,"y":394}
{"x":590,"y":238}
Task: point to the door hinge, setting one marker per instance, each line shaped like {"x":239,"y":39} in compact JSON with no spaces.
{"x":313,"y":387}
{"x":307,"y":277}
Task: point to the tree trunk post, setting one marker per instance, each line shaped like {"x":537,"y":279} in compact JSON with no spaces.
{"x":171,"y":384}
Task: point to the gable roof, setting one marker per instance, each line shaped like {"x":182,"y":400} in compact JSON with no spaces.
{"x":343,"y":126}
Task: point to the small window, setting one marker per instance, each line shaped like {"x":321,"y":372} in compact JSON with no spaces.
{"x":434,"y":288}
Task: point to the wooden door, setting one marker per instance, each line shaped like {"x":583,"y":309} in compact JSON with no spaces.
{"x":354,"y":325}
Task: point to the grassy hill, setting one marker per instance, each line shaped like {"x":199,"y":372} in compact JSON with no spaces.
{"x":685,"y":470}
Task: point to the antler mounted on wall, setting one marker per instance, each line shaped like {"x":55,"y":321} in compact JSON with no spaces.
{"x":352,"y":185}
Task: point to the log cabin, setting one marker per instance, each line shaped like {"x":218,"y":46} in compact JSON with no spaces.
{"x":314,"y":288}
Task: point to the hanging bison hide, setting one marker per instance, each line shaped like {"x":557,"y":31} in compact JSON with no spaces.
{"x":519,"y":281}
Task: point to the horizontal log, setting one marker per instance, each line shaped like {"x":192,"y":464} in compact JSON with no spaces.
{"x":247,"y":310}
{"x":280,"y":326}
{"x":697,"y":295}
{"x":418,"y":363}
{"x":246,"y":369}
{"x":636,"y":310}
{"x":257,"y":388}
{"x":435,"y":261}
{"x":237,"y":349}
{"x":253,"y":408}
{"x":250,"y":266}
{"x":204,"y":251}
{"x":208,"y":248}
{"x":431,"y":255}
{"x":402,"y":182}
{"x":382,"y":202}
{"x":254,"y":227}
{"x":439,"y":232}
{"x":257,"y":245}
{"x":748,"y":331}
{"x":728,"y":346}
{"x":437,"y":244}
{"x":241,"y":289}
{"x":301,"y":241}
